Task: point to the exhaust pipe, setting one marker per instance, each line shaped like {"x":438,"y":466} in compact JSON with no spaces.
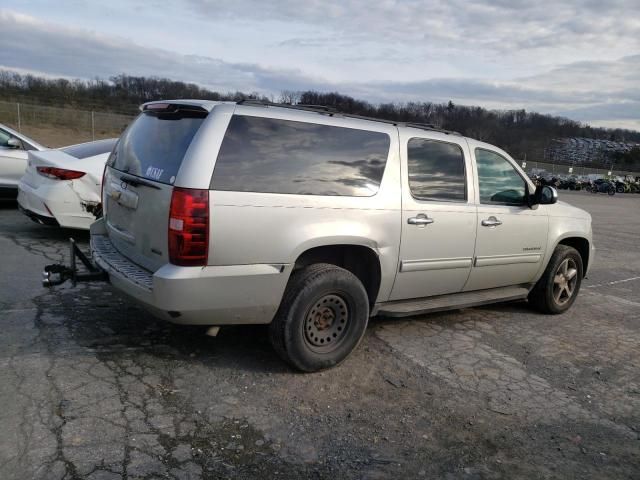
{"x":213,"y":331}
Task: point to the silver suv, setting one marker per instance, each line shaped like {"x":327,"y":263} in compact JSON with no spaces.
{"x":313,"y":221}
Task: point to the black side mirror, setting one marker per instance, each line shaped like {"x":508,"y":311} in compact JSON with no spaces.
{"x":544,"y":195}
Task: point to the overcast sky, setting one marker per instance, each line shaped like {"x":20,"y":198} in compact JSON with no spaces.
{"x":580,"y":59}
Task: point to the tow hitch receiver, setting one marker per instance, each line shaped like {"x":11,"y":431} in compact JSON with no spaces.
{"x":57,"y":273}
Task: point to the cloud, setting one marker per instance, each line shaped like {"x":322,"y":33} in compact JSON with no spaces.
{"x":597,"y":91}
{"x":497,"y":27}
{"x":39,"y":46}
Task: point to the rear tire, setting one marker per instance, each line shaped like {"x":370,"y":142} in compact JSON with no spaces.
{"x":560,"y":283}
{"x":322,"y":317}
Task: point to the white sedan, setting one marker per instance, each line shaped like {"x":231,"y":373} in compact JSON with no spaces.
{"x":62,"y":187}
{"x":14,"y":148}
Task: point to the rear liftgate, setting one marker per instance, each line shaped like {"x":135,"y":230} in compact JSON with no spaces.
{"x":57,"y":273}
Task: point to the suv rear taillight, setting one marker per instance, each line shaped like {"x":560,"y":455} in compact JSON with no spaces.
{"x":104,"y":176}
{"x":189,"y":227}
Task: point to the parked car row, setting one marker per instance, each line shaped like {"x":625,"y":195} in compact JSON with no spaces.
{"x":600,"y":185}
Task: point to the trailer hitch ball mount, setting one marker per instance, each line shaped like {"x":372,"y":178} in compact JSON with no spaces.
{"x":57,"y":273}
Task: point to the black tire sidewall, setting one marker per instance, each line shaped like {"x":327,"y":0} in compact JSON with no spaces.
{"x":332,"y":280}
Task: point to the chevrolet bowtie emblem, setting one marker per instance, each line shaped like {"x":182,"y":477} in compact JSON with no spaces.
{"x":115,"y":194}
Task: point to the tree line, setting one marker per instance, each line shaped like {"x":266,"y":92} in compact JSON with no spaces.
{"x":523,"y":134}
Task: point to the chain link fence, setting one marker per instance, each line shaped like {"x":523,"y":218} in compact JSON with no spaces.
{"x":57,"y":127}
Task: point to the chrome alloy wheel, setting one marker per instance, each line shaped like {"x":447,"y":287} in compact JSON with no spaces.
{"x":327,"y":322}
{"x":565,"y":281}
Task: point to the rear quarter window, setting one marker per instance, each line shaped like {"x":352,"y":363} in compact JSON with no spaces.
{"x":155,"y":144}
{"x":282,"y":156}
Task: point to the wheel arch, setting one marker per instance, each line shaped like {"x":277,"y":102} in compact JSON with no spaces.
{"x":361,"y":260}
{"x":582,"y":245}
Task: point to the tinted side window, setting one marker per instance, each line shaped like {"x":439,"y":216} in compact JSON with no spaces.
{"x":436,"y":170}
{"x":499,"y":182}
{"x":282,"y":156}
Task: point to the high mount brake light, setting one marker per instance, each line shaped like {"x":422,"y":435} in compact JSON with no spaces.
{"x":59,"y":173}
{"x":159,"y":106}
{"x":189,"y":227}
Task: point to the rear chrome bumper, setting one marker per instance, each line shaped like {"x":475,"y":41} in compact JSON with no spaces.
{"x":212,"y":295}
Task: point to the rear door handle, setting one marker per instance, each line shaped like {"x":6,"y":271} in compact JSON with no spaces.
{"x":421,"y":220}
{"x":491,"y":222}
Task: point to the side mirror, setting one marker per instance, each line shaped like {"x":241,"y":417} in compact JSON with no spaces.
{"x":546,"y":195}
{"x":13,"y":142}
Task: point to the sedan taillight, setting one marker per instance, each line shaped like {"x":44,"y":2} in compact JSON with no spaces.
{"x":189,"y":227}
{"x":59,"y":173}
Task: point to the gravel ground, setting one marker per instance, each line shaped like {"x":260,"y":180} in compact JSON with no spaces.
{"x":93,"y":387}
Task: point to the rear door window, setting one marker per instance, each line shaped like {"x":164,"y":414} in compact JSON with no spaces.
{"x":154,"y":145}
{"x":436,"y":170}
{"x":282,"y":156}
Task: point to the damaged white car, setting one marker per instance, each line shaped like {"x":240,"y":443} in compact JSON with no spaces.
{"x":62,"y":187}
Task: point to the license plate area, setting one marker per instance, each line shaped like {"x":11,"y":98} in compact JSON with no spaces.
{"x":120,"y":194}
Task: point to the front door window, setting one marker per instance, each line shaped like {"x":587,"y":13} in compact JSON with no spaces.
{"x":499,"y":182}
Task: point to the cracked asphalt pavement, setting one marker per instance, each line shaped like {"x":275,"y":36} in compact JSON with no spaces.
{"x":91,"y":386}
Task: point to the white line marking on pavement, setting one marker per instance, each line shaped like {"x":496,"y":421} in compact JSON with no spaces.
{"x":613,"y":298}
{"x":615,"y":282}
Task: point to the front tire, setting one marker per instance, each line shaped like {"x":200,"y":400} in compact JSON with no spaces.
{"x":322,"y":317}
{"x":560,"y":283}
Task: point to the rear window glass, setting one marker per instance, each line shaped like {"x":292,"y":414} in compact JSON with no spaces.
{"x":282,"y":156}
{"x":436,"y":170}
{"x":91,"y":149}
{"x":154,"y":144}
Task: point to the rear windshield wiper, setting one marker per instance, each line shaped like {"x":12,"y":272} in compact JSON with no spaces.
{"x":138,"y":182}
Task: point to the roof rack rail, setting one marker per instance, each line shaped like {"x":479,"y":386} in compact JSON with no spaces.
{"x":430,"y":126}
{"x":324,"y":109}
{"x":300,"y":106}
